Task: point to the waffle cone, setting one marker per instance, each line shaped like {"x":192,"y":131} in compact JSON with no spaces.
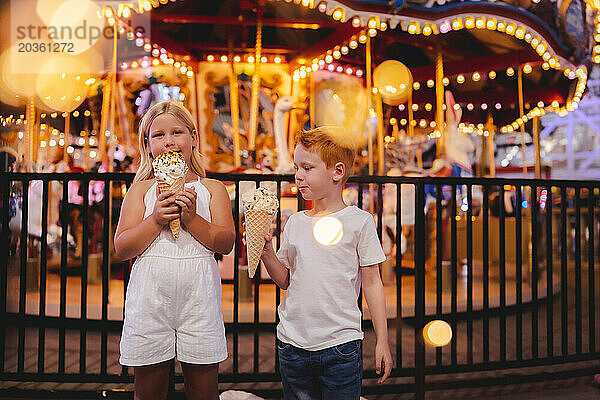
{"x":177,"y":186}
{"x":258,"y":224}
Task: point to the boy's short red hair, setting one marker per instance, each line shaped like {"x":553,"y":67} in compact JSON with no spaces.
{"x":332,"y":144}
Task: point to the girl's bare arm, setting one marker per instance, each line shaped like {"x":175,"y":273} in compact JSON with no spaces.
{"x":134,"y":233}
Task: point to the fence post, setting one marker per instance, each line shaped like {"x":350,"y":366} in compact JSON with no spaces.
{"x":419,"y":241}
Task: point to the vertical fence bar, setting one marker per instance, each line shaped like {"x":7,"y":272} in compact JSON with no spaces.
{"x":419,"y":290}
{"x":64,"y":220}
{"x":519,"y":270}
{"x":126,"y":276}
{"x":23,"y":273}
{"x":438,"y":263}
{"x":84,"y":273}
{"x":398,"y":275}
{"x":563,"y":270}
{"x":534,"y":271}
{"x":502,"y":267}
{"x":454,"y":271}
{"x":486,"y":273}
{"x":578,"y":316}
{"x":277,"y":289}
{"x":591,"y":275}
{"x":236,"y":277}
{"x":549,"y":278}
{"x":43,"y":276}
{"x":5,"y":187}
{"x":470,"y":274}
{"x":105,"y":272}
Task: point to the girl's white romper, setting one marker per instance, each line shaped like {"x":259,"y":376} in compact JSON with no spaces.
{"x":173,"y":301}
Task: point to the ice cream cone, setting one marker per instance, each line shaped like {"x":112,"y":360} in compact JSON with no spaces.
{"x":258,"y":224}
{"x":177,"y":186}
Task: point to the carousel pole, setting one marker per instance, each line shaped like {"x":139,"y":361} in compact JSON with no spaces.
{"x":536,"y":143}
{"x":380,"y":153}
{"x":67,"y":116}
{"x":368,"y":68}
{"x":255,"y":91}
{"x":521,"y":112}
{"x":113,"y":102}
{"x":490,"y":145}
{"x":439,"y":102}
{"x":30,"y":132}
{"x":235,"y":109}
{"x":311,"y":98}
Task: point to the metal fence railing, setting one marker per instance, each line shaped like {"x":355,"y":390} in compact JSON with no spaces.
{"x":510,"y":264}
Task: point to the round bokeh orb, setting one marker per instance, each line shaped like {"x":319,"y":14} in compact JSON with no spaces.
{"x":437,"y":333}
{"x":341,"y":100}
{"x":328,"y":231}
{"x":79,"y":24}
{"x":394,"y":82}
{"x":59,"y":90}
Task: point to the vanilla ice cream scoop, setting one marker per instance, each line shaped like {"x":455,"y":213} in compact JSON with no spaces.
{"x":169,"y":166}
{"x":260,"y":199}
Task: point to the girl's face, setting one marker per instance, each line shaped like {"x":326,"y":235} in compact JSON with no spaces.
{"x":168,"y":133}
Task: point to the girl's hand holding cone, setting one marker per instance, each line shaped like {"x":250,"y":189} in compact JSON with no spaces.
{"x":187,"y":201}
{"x":165,"y":209}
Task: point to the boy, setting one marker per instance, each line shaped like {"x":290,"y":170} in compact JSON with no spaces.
{"x":319,"y":333}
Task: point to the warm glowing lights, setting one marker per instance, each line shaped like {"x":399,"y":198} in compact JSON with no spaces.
{"x":416,"y":85}
{"x":277,"y":60}
{"x":328,"y":231}
{"x":476,"y":76}
{"x":223,"y":59}
{"x":337,"y":14}
{"x":510,"y":71}
{"x":210,"y":58}
{"x":430,"y":83}
{"x":460,"y":79}
{"x":446,"y":81}
{"x":527,"y":68}
{"x":356,"y":22}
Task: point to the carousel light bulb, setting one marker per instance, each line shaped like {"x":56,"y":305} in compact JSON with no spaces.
{"x":470,"y":106}
{"x":403,"y":121}
{"x":510,"y":71}
{"x":92,"y":141}
{"x":432,"y":124}
{"x":484,"y":106}
{"x":155,"y":62}
{"x":527,"y":68}
{"x":344,"y":50}
{"x":401,"y":107}
{"x":70,"y":150}
{"x":383,"y":26}
{"x":277,"y":59}
{"x":393,"y":121}
{"x":359,"y":73}
{"x":349,"y":71}
{"x":520,"y":33}
{"x":446,"y":81}
{"x":492,"y":74}
{"x":422,"y":123}
{"x":430,"y":83}
{"x":498,"y":106}
{"x":480,"y":23}
{"x":331,"y":67}
{"x":322,"y":6}
{"x":372,"y":23}
{"x":356,"y":22}
{"x":428,"y":107}
{"x":305,"y":3}
{"x":372,"y":32}
{"x":237,"y":59}
{"x":250,"y":59}
{"x":210,"y":58}
{"x":412,"y":29}
{"x":76,"y":113}
{"x":81,"y":141}
{"x":353,"y":44}
{"x":339,"y":69}
{"x":460,"y":79}
{"x":362,"y":38}
{"x":328,"y":59}
{"x":337,"y":14}
{"x":427,"y":30}
{"x":337,"y":54}
{"x":501,"y":26}
{"x":42,"y":143}
{"x":416,"y":85}
{"x":476,"y":76}
{"x":534,"y":42}
{"x":61,"y":142}
{"x":415,"y":107}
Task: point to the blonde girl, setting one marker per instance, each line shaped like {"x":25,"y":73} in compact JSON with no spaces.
{"x":173,"y":301}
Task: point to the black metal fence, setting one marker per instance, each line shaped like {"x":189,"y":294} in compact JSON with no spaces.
{"x":510,"y":264}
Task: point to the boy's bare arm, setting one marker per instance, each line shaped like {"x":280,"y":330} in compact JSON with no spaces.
{"x":277,"y":270}
{"x":375,"y":296}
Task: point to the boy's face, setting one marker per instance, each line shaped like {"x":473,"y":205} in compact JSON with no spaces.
{"x":313,"y":179}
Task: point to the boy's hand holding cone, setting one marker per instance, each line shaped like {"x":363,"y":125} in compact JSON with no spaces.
{"x":169,"y":170}
{"x":260,"y":207}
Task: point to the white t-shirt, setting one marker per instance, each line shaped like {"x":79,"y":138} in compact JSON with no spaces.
{"x":320,"y":308}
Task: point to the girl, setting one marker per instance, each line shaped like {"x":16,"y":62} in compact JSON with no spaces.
{"x":173,"y":303}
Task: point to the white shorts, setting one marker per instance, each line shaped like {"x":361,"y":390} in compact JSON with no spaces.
{"x":173,"y":309}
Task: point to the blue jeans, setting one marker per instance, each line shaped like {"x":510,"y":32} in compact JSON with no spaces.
{"x":329,"y":374}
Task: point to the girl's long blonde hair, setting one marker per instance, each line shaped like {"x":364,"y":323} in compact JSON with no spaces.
{"x":145,"y":171}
